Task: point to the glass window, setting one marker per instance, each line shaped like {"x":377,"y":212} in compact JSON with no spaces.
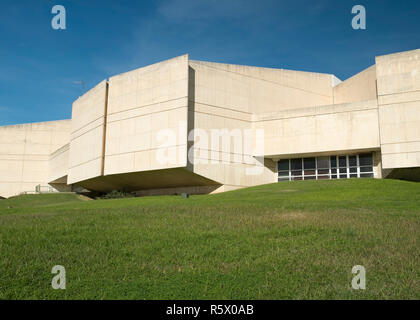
{"x":342,"y":167}
{"x":323,"y":177}
{"x":333,"y":160}
{"x":309,"y":163}
{"x":366,"y":175}
{"x":342,"y":161}
{"x":283,"y":165}
{"x":323,"y":163}
{"x":365,"y":159}
{"x":296,"y":164}
{"x":352,"y":161}
{"x":284,"y":174}
{"x":297,"y":173}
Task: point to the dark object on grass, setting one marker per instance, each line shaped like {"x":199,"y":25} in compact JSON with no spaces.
{"x":115,"y":194}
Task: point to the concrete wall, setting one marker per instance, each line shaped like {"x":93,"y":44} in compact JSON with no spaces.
{"x":87,"y":137}
{"x":25,"y":152}
{"x":360,"y":87}
{"x":318,"y":130}
{"x":225,"y":97}
{"x":143,"y":105}
{"x":59,"y":165}
{"x":259,"y":90}
{"x":399,"y":108}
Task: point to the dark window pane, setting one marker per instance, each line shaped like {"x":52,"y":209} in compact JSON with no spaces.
{"x":333,"y":160}
{"x":353,"y":170}
{"x":366,"y":175}
{"x":323,"y":162}
{"x":333,"y":171}
{"x":365,"y":159}
{"x":333,"y":176}
{"x":309,"y":163}
{"x":323,"y":177}
{"x":343,"y":170}
{"x":284,"y":174}
{"x":297,"y":173}
{"x":323,"y":171}
{"x":352,"y":161}
{"x":309,"y":172}
{"x":310,"y":177}
{"x":343,"y":176}
{"x":283,"y":164}
{"x":342,"y":161}
{"x":366,"y":169}
{"x":296,"y":164}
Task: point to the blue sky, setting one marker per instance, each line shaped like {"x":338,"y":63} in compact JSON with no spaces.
{"x":38,"y":65}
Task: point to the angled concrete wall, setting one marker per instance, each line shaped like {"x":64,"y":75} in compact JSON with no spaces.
{"x":59,"y":165}
{"x":360,"y":87}
{"x":226,"y":97}
{"x":145,"y":106}
{"x":25,"y":152}
{"x":87,"y":136}
{"x":259,"y":90}
{"x":324,"y":129}
{"x":399,"y":108}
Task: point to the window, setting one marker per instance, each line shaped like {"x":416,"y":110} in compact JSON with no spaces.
{"x":342,"y":161}
{"x":365,"y":159}
{"x":309,"y":163}
{"x":333,"y":160}
{"x":330,"y":167}
{"x":323,"y":163}
{"x":283,"y":165}
{"x":296,"y":164}
{"x":284,"y":170}
{"x":352,"y":161}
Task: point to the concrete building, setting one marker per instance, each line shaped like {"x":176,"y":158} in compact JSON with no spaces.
{"x":191,"y":126}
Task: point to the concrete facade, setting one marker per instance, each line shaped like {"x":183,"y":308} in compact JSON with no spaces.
{"x":25,"y":154}
{"x":398,"y":81}
{"x":200,"y":127}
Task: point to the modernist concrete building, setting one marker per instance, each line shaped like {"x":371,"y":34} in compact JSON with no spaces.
{"x":199,"y":127}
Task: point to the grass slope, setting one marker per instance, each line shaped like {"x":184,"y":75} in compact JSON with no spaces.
{"x":294,"y":240}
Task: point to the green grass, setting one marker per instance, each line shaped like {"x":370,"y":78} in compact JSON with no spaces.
{"x":296,"y":240}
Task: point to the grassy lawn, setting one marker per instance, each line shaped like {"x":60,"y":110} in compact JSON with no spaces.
{"x":292,"y":240}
